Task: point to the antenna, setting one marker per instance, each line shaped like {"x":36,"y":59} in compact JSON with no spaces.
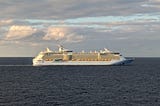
{"x":60,"y":48}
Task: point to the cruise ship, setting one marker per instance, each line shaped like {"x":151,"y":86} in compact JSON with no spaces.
{"x":68,"y":57}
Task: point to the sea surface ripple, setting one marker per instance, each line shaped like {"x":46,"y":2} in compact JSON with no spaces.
{"x":22,"y":84}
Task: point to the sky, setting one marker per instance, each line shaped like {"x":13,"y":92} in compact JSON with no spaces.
{"x":131,"y":27}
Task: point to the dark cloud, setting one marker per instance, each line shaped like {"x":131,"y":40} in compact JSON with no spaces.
{"x":60,"y":9}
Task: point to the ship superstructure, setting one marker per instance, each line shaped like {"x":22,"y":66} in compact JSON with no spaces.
{"x":67,"y":57}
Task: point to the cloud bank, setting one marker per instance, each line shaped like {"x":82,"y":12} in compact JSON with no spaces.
{"x":130,"y":26}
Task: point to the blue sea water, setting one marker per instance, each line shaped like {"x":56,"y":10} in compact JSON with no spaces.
{"x":137,"y":84}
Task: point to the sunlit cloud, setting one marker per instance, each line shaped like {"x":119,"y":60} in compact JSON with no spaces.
{"x":55,"y":33}
{"x":19,"y":32}
{"x":62,"y":34}
{"x":5,"y":22}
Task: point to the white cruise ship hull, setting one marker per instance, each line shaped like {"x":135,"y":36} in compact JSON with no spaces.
{"x":122,"y":61}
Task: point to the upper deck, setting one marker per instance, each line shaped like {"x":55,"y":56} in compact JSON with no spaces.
{"x":68,"y":55}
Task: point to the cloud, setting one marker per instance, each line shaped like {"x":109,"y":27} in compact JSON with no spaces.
{"x":55,"y":33}
{"x":62,"y":34}
{"x":18,"y":32}
{"x":34,"y":44}
{"x":68,"y":9}
{"x":72,"y":38}
{"x":154,"y":0}
{"x":5,"y":22}
{"x":152,"y":5}
{"x":107,"y":22}
{"x":96,"y":22}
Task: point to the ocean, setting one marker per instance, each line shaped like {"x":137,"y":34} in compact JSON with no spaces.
{"x":22,"y":84}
